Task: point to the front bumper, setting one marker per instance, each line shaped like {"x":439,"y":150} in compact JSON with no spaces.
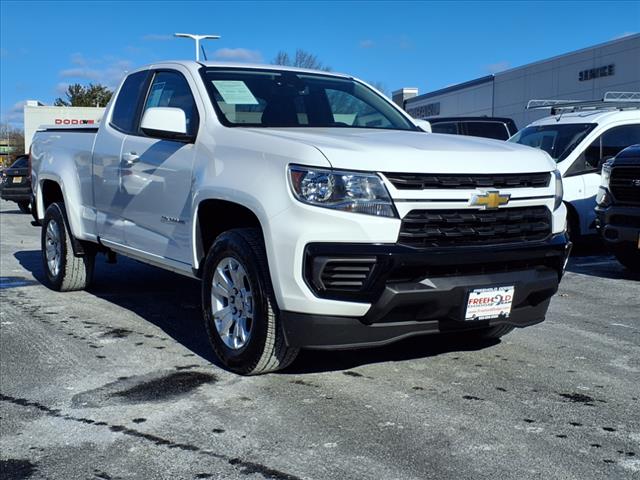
{"x":414,"y":292}
{"x":618,"y":224}
{"x":15,"y":194}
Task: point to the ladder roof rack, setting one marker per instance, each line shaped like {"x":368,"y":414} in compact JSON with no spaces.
{"x":610,"y":101}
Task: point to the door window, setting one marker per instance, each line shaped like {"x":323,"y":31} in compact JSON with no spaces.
{"x":606,"y":146}
{"x":170,"y":89}
{"x":124,"y":111}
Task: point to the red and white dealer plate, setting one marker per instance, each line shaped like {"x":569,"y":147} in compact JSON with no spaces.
{"x":487,"y":303}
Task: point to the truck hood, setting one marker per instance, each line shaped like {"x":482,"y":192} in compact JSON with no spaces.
{"x":415,"y":152}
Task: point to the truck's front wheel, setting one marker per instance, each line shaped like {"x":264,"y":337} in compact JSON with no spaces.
{"x":65,"y":272}
{"x":239,"y":307}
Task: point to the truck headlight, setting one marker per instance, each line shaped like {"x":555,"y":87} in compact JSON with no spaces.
{"x":559,"y":190}
{"x":605,"y":176}
{"x":340,"y":190}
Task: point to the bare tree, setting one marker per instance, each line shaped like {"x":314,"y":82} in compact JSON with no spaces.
{"x":12,"y":140}
{"x":302,"y":59}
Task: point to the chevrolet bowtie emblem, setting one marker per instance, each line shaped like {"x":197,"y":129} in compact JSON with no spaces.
{"x":490,"y":200}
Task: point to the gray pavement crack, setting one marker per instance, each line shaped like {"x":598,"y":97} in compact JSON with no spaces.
{"x":245,"y":467}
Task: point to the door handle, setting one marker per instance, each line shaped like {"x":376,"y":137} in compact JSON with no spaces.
{"x":128,"y":159}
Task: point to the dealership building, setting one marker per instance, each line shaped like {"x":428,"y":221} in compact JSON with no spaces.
{"x":581,"y":75}
{"x":37,"y":115}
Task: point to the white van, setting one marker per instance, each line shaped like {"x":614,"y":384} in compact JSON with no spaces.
{"x":580,"y":136}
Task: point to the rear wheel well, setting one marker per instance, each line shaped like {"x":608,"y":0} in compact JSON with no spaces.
{"x":216,"y":217}
{"x":51,"y":193}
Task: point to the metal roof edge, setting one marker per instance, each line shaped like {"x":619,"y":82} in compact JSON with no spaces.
{"x":452,"y":88}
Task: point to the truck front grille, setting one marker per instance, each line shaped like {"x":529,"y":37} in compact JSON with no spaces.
{"x":415,"y":181}
{"x":441,"y":228}
{"x":625,"y":184}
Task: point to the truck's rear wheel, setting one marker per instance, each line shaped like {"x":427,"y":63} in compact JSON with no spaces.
{"x":65,"y":272}
{"x":239,"y":308}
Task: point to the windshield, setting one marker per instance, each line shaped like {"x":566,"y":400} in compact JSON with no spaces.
{"x":264,"y":98}
{"x":557,"y":140}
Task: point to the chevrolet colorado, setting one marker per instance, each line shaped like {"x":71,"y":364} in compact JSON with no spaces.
{"x":316,"y":213}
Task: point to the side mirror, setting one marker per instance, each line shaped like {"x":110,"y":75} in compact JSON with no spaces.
{"x":165,"y":122}
{"x":422,"y":125}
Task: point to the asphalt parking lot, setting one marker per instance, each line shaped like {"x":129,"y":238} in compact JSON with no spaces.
{"x":117,"y":382}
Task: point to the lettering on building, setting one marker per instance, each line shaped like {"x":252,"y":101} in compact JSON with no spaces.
{"x":423,"y":111}
{"x":73,"y":121}
{"x":592,"y":73}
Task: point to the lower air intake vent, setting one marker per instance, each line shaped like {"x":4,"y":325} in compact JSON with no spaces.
{"x":342,"y":274}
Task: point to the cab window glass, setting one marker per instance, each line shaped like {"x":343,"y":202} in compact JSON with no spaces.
{"x":445,"y":127}
{"x":170,"y":89}
{"x":21,"y":162}
{"x":126,"y":106}
{"x":609,"y":144}
{"x":494,"y":130}
{"x":348,"y":110}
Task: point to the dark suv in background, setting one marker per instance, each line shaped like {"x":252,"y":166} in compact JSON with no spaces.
{"x":618,"y":206}
{"x":487,"y":127}
{"x":15,"y":183}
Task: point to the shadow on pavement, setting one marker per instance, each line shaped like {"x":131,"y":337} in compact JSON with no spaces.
{"x":172,"y":303}
{"x":167,"y":300}
{"x":593,"y":258}
{"x":313,"y":361}
{"x":13,"y":212}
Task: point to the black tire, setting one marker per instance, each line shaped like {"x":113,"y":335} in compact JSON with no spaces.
{"x":24,"y":207}
{"x":72,"y":272}
{"x":573,"y":226}
{"x":265,"y":349}
{"x":629,"y":256}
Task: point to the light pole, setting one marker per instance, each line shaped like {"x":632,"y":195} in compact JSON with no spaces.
{"x":197,"y":39}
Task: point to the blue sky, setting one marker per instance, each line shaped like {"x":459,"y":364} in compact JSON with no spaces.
{"x":429,"y":45}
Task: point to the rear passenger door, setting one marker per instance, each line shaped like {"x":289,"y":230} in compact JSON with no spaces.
{"x":109,"y":198}
{"x":157,"y":176}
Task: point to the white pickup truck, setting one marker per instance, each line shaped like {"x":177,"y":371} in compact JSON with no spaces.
{"x":316,"y":213}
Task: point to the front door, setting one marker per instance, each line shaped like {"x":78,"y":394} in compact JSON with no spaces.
{"x":156,"y":176}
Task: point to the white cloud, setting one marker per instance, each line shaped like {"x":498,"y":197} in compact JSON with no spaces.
{"x":15,"y":115}
{"x":155,"y":37}
{"x":80,"y":72}
{"x":497,"y":67}
{"x":78,"y":59}
{"x":405,"y":42}
{"x":238,"y":55}
{"x":107,"y":70}
{"x":367,"y":43}
{"x":61,"y":88}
